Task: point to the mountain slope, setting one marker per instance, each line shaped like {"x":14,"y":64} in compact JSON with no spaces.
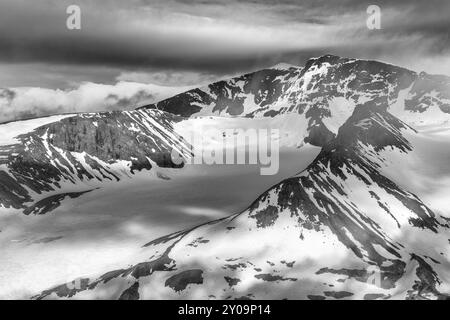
{"x":360,"y":222}
{"x":103,"y":147}
{"x":339,"y":229}
{"x":46,"y":162}
{"x":325,"y":92}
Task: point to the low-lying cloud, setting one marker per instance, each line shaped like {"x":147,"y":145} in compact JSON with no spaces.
{"x":23,"y":103}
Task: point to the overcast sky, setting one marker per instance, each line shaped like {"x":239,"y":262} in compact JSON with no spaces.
{"x":190,"y":42}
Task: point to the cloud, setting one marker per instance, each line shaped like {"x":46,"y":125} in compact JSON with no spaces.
{"x":199,"y":35}
{"x":22,"y":103}
{"x":144,"y":37}
{"x":8,"y":95}
{"x":170,"y":78}
{"x":214,"y":38}
{"x":193,"y":42}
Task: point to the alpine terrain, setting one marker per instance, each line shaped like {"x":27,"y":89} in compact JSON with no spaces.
{"x":361,"y":213}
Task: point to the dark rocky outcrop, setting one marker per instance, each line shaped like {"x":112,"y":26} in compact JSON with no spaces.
{"x":101,"y":146}
{"x":180,"y":281}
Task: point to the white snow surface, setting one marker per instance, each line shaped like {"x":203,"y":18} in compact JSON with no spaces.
{"x":10,"y":130}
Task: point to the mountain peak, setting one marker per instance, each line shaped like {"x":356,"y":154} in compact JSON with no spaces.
{"x":349,"y":198}
{"x":342,"y":202}
{"x":326,"y":85}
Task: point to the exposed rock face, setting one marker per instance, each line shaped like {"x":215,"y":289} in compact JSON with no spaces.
{"x":230,"y":96}
{"x":315,"y":90}
{"x":129,"y":136}
{"x":180,"y":281}
{"x":85,"y":147}
{"x":50,"y":203}
{"x":95,"y":147}
{"x":312,"y":88}
{"x":131,"y":293}
{"x":340,"y":229}
{"x":340,"y":220}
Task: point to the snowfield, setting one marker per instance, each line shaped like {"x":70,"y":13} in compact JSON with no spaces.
{"x":92,"y":206}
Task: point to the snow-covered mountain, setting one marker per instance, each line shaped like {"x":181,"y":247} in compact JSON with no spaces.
{"x":45,"y":160}
{"x":357,"y":221}
{"x":325,"y":92}
{"x":347,"y":226}
{"x":339,"y":229}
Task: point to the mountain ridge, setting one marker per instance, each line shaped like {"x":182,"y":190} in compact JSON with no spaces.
{"x":341,"y":228}
{"x":315,"y":206}
{"x":83,"y":148}
{"x":310,"y":89}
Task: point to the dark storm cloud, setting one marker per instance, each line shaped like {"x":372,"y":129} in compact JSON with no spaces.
{"x":217,"y":37}
{"x":37,"y":32}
